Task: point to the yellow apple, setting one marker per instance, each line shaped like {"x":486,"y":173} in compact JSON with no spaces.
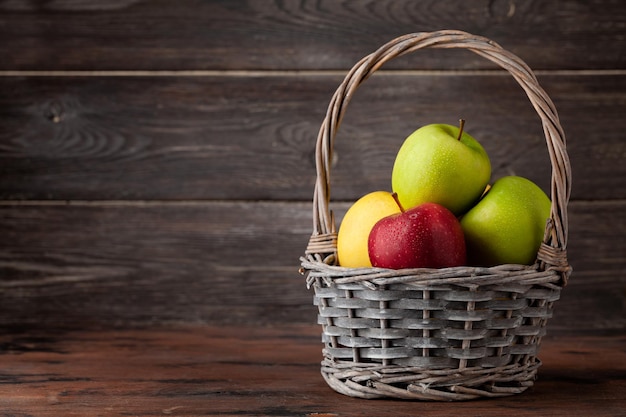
{"x":356,"y":226}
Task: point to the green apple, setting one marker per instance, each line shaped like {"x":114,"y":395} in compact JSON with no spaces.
{"x":507,"y":225}
{"x":356,"y":226}
{"x":441,"y":164}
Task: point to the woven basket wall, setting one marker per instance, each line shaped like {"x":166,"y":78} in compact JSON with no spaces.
{"x":435,"y":334}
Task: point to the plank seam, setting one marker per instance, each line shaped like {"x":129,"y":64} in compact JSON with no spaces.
{"x":288,"y":73}
{"x":146,"y":203}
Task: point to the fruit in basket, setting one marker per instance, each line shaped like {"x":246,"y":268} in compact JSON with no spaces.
{"x":426,"y":236}
{"x":507,"y":225}
{"x":441,"y":164}
{"x":357,"y":224}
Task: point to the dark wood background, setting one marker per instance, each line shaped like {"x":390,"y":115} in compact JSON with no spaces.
{"x":156,"y":157}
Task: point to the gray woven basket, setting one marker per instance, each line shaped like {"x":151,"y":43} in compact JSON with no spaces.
{"x":435,"y":334}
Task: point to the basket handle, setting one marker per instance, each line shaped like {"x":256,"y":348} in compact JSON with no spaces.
{"x":552,"y":251}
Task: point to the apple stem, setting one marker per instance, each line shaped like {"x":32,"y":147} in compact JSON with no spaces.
{"x":461,"y":125}
{"x":395,"y":197}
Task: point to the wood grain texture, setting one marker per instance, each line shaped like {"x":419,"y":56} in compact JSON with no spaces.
{"x":127,"y":264}
{"x":156,"y":172}
{"x":249,"y":138}
{"x":194,"y":34}
{"x":251,"y":371}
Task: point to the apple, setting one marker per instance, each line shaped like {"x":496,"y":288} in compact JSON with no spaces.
{"x":508,"y":224}
{"x":426,"y":236}
{"x":440,"y":163}
{"x":357,"y":224}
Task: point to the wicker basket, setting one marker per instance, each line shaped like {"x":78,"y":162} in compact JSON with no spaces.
{"x":435,"y":334}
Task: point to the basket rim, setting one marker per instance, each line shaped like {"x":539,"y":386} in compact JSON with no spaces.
{"x":323,"y":241}
{"x":469,"y":277}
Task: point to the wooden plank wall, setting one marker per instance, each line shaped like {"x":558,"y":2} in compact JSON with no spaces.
{"x":156,"y":157}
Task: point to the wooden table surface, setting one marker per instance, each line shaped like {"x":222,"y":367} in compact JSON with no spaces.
{"x":263,"y":371}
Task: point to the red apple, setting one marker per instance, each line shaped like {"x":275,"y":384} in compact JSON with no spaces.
{"x":426,"y":236}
